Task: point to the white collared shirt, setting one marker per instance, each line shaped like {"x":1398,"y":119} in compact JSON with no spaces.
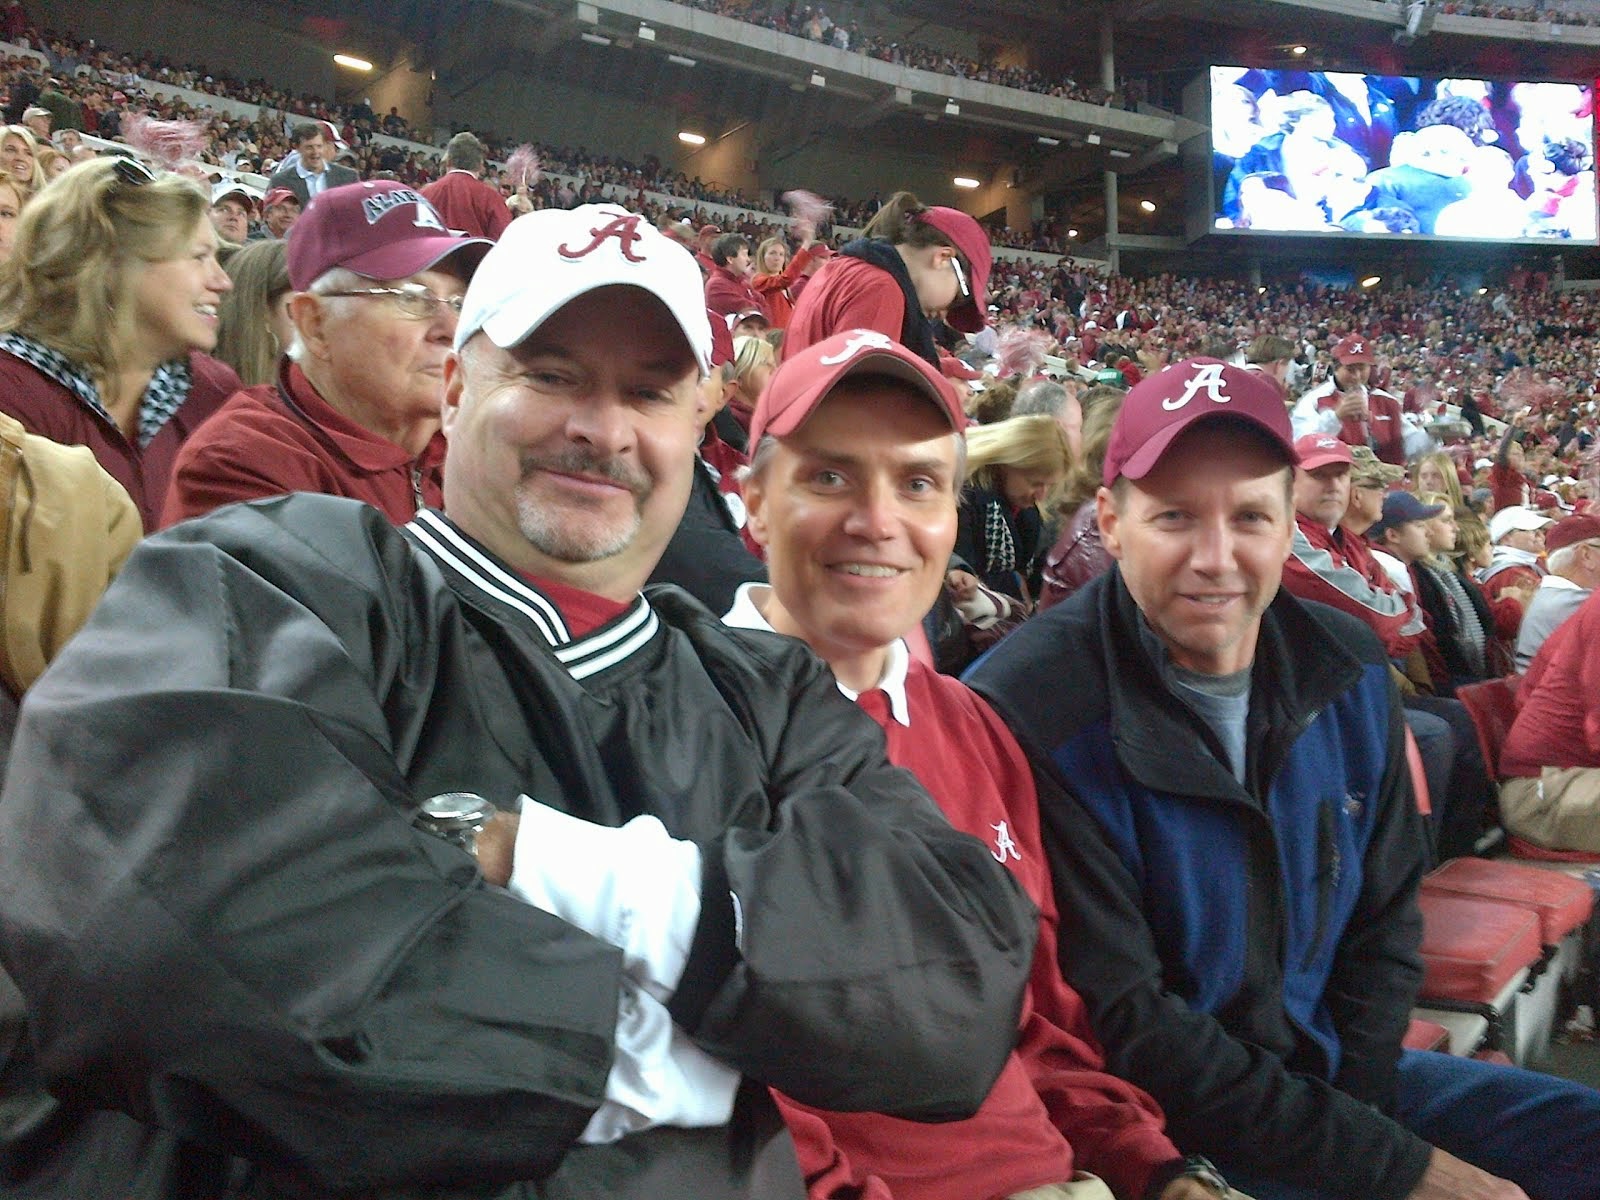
{"x":745,"y":615}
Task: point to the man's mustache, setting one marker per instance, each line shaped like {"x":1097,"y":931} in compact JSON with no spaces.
{"x":580,"y":462}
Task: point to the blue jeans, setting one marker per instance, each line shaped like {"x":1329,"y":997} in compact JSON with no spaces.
{"x":1540,"y":1132}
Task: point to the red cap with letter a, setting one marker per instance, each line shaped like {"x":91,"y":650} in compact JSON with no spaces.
{"x":1353,"y":349}
{"x":1162,"y":406}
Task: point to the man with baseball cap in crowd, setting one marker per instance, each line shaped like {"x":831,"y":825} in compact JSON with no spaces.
{"x":283,"y":777}
{"x":354,"y":412}
{"x":1348,"y":408}
{"x":1516,"y":534}
{"x":1234,"y":842}
{"x":853,"y":491}
{"x":1331,"y":562}
{"x":1401,"y":532}
{"x":233,"y":206}
{"x":1573,"y":566}
{"x":280,"y":209}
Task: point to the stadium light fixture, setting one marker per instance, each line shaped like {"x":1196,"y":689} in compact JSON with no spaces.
{"x":818,"y":79}
{"x":351,"y":61}
{"x":1093,"y":139}
{"x":966,"y":181}
{"x":1372,"y":281}
{"x":692,"y":139}
{"x":681,"y":60}
{"x":1483,"y":291}
{"x":952,"y":109}
{"x":646,"y":33}
{"x":1149,"y":206}
{"x":1072,"y":233}
{"x":595,"y":39}
{"x":1297,"y":51}
{"x":1049,"y":141}
{"x":1121,"y":153}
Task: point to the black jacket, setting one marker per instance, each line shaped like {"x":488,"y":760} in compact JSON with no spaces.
{"x":225,"y":925}
{"x":1249,"y":955}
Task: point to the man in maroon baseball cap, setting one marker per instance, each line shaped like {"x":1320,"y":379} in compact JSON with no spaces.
{"x":355,"y":409}
{"x":1572,"y":547}
{"x":280,"y":209}
{"x":853,"y":491}
{"x":1347,"y":407}
{"x":1222,"y":775}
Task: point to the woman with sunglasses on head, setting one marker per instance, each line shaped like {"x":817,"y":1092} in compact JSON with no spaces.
{"x":108,"y":312}
{"x":353,"y":406}
{"x":913,"y":266}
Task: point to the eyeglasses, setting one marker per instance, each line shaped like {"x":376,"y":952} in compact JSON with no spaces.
{"x":131,"y":171}
{"x":412,"y":299}
{"x":961,"y":278}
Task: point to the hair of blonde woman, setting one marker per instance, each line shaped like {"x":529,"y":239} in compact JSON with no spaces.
{"x":1437,"y":500}
{"x":245,"y":341}
{"x":1030,"y":443}
{"x":22,"y":131}
{"x":761,"y":255}
{"x":750,"y":352}
{"x":1100,"y":408}
{"x":1472,"y":537}
{"x":68,"y":282}
{"x":1447,"y":468}
{"x":47,"y":159}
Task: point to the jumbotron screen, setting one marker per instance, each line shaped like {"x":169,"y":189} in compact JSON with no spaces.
{"x":1333,"y":152}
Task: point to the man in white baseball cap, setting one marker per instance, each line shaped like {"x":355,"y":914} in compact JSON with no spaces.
{"x":579,"y":866}
{"x":1513,"y":574}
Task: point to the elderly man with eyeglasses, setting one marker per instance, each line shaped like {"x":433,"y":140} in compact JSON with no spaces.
{"x":354,"y":412}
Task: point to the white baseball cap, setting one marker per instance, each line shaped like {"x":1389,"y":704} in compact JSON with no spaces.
{"x":546,"y":259}
{"x":1515,"y":517}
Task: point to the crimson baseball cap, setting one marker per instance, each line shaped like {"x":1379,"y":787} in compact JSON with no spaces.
{"x":969,"y":314}
{"x":1569,"y":531}
{"x":381,"y":230}
{"x":806,"y":379}
{"x":1162,"y":406}
{"x":277,"y":196}
{"x":546,"y":259}
{"x":1321,"y":450}
{"x":1353,"y":349}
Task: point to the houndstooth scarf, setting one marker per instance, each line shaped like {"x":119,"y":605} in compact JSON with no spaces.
{"x":165,"y":394}
{"x":999,"y":545}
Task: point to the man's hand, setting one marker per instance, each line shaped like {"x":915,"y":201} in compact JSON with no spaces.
{"x":496,"y":846}
{"x":963,"y":586}
{"x":1187,"y":1189}
{"x":1448,"y":1178}
{"x":1352,"y":405}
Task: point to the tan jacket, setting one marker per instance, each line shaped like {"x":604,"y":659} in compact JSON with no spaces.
{"x":68,"y":526}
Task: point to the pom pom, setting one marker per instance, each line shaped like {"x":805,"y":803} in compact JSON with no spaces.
{"x":807,"y":206}
{"x":1519,"y":389}
{"x":522,"y":168}
{"x":1021,"y":351}
{"x":167,"y":143}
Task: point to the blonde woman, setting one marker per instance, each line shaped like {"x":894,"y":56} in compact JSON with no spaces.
{"x":256,"y":329}
{"x":12,"y":198}
{"x":754,"y":360}
{"x":777,"y":273}
{"x":19,"y":157}
{"x":1013,"y":467}
{"x":1436,"y":472}
{"x":108,"y":312}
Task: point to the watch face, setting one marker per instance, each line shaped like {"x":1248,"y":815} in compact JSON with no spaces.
{"x":455,"y":810}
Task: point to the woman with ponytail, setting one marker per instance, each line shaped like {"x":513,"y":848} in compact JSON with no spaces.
{"x":913,"y":264}
{"x":108,"y":307}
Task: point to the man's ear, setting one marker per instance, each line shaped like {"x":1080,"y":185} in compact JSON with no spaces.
{"x":310,"y":321}
{"x":755,"y":497}
{"x":450,"y":395}
{"x":1107,"y":517}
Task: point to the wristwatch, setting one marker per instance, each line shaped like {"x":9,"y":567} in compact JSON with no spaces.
{"x":1200,"y":1169}
{"x":457,"y":817}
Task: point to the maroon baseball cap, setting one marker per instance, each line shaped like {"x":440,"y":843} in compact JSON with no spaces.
{"x":804,"y":381}
{"x":1569,"y":531}
{"x":1162,"y":406}
{"x":1353,"y":349}
{"x":278,"y":195}
{"x":969,"y":314}
{"x":378,"y":229}
{"x":1321,"y":450}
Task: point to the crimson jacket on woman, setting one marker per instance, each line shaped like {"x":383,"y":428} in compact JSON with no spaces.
{"x":52,"y":410}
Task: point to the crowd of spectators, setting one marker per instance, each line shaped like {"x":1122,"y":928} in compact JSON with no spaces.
{"x":1537,"y":10}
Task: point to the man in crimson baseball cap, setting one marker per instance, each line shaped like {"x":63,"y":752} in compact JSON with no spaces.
{"x":377,"y":229}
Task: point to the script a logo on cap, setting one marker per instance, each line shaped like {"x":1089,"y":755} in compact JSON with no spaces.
{"x":861,"y":339}
{"x":624,"y":227}
{"x":1358,"y":347}
{"x":1207,"y":378}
